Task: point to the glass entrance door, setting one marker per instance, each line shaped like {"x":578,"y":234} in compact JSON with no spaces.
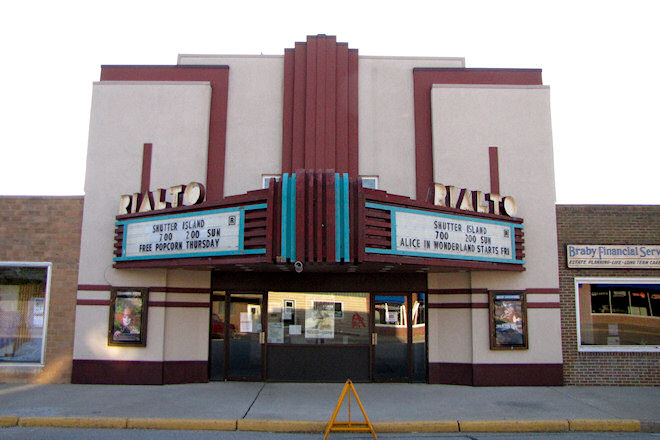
{"x":246,"y":344}
{"x":237,"y":337}
{"x":390,"y":338}
{"x":399,"y":338}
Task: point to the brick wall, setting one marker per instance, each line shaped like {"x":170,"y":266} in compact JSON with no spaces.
{"x":46,"y":229}
{"x":604,"y":224}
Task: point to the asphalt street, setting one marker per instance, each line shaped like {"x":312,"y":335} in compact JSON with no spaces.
{"x":18,"y":433}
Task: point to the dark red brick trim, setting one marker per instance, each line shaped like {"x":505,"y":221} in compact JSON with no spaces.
{"x":138,"y":372}
{"x":180,"y":304}
{"x":494,"y":170}
{"x":319,"y":124}
{"x":424,"y":78}
{"x":218,"y":76}
{"x":93,"y":302}
{"x":496,"y":374}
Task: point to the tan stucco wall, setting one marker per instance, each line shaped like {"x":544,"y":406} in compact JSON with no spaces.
{"x":387,"y":119}
{"x":254,"y":117}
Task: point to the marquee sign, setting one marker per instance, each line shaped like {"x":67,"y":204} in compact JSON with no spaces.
{"x":200,"y":234}
{"x":613,"y":256}
{"x":440,"y":235}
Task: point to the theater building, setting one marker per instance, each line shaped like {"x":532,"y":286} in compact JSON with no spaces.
{"x":317,"y":216}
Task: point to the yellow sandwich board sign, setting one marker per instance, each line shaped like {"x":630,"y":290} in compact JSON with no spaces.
{"x":349,"y":426}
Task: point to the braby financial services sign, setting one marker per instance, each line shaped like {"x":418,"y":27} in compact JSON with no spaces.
{"x":637,"y":256}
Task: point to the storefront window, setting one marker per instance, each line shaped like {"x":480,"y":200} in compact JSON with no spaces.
{"x":318,"y":318}
{"x":23,"y":312}
{"x":619,"y":314}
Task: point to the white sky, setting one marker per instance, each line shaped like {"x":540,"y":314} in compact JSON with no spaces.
{"x":600,"y":59}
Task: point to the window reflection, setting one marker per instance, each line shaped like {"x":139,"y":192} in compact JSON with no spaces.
{"x":22,"y":313}
{"x":318,"y":318}
{"x":619,"y":314}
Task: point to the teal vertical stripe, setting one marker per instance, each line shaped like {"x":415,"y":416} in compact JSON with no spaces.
{"x":284,"y":233}
{"x":292,"y":218}
{"x":241,"y":230}
{"x":289,"y":216}
{"x":347,"y":236}
{"x":342,"y":218}
{"x":338,"y":219}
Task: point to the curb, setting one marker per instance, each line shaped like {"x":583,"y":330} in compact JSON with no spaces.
{"x":281,"y":425}
{"x":7,"y":421}
{"x":299,"y":426}
{"x":182,"y":424}
{"x":617,"y":425}
{"x":73,"y":422}
{"x":513,"y":425}
{"x":417,"y":426}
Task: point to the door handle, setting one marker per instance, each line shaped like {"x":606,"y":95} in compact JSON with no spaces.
{"x":262,"y":337}
{"x":374,"y":338}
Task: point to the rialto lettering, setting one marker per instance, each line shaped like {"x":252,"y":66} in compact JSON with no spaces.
{"x":477,"y":201}
{"x":179,"y":195}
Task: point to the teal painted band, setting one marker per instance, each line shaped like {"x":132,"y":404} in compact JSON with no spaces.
{"x":205,"y":254}
{"x":284,"y":232}
{"x":346,"y":217}
{"x":288,"y":230}
{"x":338,"y":219}
{"x":292,"y":218}
{"x":439,"y":256}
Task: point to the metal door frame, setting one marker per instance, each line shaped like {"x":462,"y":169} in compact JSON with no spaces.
{"x":227,"y":330}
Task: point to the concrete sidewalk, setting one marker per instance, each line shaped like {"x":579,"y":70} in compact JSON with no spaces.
{"x":303,"y":407}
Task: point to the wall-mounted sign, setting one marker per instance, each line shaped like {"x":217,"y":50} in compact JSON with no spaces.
{"x":635,"y":256}
{"x":179,"y":195}
{"x":476,"y":201}
{"x":438,"y":235}
{"x":206,"y":233}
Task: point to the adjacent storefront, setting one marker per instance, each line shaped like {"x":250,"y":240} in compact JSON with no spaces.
{"x":372,"y":218}
{"x":39,"y":246}
{"x":610,"y":275}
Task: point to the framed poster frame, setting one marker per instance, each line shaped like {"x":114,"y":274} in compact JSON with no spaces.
{"x":127,"y":323}
{"x":508,"y":320}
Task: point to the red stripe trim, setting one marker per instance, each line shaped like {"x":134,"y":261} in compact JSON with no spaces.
{"x":353,"y":145}
{"x":299,"y":103}
{"x":310,"y":104}
{"x":179,"y":289}
{"x":93,"y":302}
{"x":458,"y":306}
{"x":456,"y":291}
{"x":180,"y":304}
{"x":330,"y":103}
{"x":287,"y":116}
{"x":341,"y":160}
{"x":423,"y":81}
{"x":494,"y":170}
{"x":95,"y":287}
{"x":320,"y":144}
{"x":543,"y":305}
{"x":161,"y":289}
{"x":146,"y":169}
{"x":541,"y":291}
